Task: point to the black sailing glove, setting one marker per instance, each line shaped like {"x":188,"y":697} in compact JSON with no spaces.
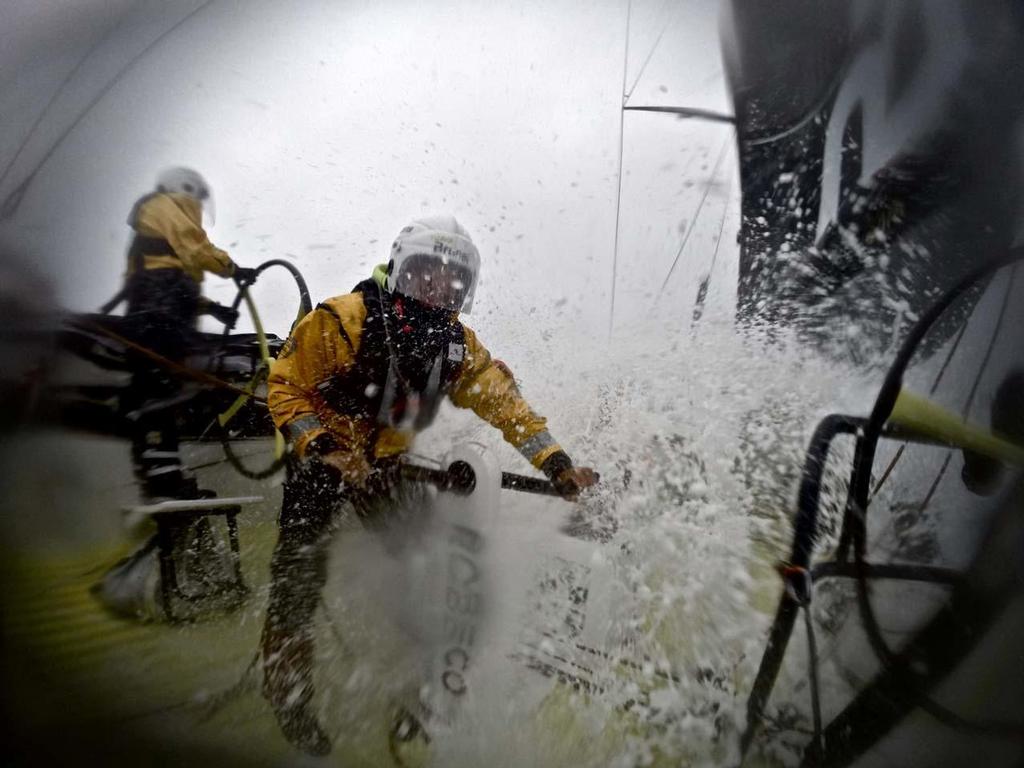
{"x":568,"y":480}
{"x":222,"y":314}
{"x":244,"y":276}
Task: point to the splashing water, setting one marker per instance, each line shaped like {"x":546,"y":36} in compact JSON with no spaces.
{"x":700,"y":446}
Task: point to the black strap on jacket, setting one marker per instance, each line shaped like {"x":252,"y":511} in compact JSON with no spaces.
{"x":140,"y":247}
{"x":361,"y":391}
{"x":143,"y":246}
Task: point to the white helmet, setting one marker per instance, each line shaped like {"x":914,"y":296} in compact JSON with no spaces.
{"x":184,"y":181}
{"x":434,"y":261}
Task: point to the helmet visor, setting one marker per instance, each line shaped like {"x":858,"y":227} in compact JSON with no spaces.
{"x":197,"y":189}
{"x":208,"y":208}
{"x":434,"y":281}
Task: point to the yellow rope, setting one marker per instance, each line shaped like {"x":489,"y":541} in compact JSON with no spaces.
{"x":262,"y":371}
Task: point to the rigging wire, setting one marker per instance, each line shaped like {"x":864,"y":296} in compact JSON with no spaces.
{"x":702,"y":289}
{"x":696,"y":215}
{"x":627,"y":94}
{"x":680,"y":111}
{"x":14,"y":199}
{"x":53,"y":99}
{"x":618,"y":197}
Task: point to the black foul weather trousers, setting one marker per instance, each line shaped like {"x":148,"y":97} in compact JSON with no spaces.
{"x":313,"y":496}
{"x":162,"y":306}
{"x":313,"y":493}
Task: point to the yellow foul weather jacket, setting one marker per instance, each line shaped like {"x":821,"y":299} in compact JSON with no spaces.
{"x":170,"y":235}
{"x":323,"y":351}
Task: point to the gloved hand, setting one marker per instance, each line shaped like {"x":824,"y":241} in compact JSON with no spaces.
{"x":571,"y":481}
{"x":354,"y":468}
{"x":222,"y":314}
{"x":244,"y":276}
{"x":567,"y":479}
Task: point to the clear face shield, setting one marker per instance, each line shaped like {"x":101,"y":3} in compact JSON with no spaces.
{"x":196,"y":189}
{"x":435,"y":282}
{"x":206,"y":204}
{"x":185,"y":181}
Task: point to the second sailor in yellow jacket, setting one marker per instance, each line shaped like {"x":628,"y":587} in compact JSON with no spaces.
{"x":168,"y":256}
{"x":171,"y":252}
{"x":357,"y":379}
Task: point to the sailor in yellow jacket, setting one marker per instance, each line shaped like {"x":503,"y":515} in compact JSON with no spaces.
{"x":167,"y":259}
{"x":357,"y":379}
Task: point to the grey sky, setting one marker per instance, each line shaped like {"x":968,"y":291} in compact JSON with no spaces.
{"x":324,"y":126}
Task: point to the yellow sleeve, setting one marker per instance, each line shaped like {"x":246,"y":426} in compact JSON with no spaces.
{"x":177,"y":219}
{"x":492,"y":395}
{"x":316,"y":353}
